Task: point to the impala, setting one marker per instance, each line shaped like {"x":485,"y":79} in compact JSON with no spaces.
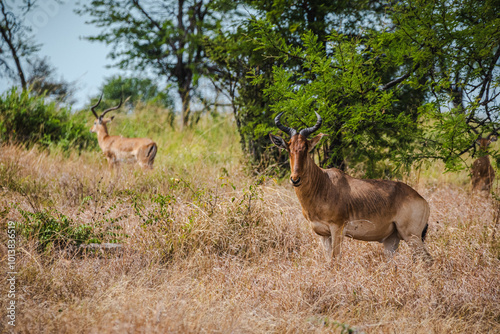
{"x":117,"y":148}
{"x":483,"y":173}
{"x":336,"y":204}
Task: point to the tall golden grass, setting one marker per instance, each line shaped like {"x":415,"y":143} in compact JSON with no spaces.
{"x":210,"y":248}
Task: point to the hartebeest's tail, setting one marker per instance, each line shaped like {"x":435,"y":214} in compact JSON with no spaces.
{"x":424,"y":232}
{"x":152,"y":154}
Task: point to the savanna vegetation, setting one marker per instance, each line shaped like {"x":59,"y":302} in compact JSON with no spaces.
{"x":210,"y":247}
{"x":213,"y":238}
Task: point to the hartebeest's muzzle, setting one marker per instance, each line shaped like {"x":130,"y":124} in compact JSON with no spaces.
{"x":295,"y":183}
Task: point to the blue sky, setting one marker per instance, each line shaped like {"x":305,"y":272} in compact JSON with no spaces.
{"x":61,"y":33}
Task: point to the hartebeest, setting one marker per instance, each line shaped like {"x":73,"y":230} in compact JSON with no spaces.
{"x":337,"y":204}
{"x":483,"y":173}
{"x":118,"y":148}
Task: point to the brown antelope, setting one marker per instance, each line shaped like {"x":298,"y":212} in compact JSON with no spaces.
{"x":483,"y":173}
{"x":118,"y":148}
{"x":336,"y":204}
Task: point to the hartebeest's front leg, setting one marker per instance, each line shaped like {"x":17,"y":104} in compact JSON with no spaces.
{"x":391,"y":244}
{"x":332,"y":242}
{"x":327,"y":243}
{"x":336,"y":232}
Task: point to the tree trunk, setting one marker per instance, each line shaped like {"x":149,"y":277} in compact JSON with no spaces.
{"x":13,"y":51}
{"x":186,"y":106}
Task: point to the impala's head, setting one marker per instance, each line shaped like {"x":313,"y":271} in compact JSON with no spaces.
{"x":485,"y":142}
{"x":100,"y":122}
{"x":298,"y":147}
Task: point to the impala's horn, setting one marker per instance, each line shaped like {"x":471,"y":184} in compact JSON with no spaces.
{"x":289,"y":131}
{"x":95,"y":106}
{"x":307,"y":131}
{"x":110,"y":109}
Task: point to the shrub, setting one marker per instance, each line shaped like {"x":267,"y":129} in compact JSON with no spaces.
{"x":52,"y":229}
{"x":27,"y":119}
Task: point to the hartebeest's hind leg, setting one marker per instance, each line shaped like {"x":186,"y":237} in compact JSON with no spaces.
{"x":414,"y":240}
{"x":412,"y":227}
{"x":419,"y":249}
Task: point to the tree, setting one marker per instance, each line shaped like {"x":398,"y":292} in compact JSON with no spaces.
{"x":16,"y":43}
{"x":163,"y":37}
{"x":41,"y":80}
{"x":271,"y":39}
{"x":349,"y":86}
{"x":419,"y":82}
{"x":456,"y":45}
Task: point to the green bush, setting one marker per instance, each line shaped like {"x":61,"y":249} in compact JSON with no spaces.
{"x":52,"y":229}
{"x":27,"y":119}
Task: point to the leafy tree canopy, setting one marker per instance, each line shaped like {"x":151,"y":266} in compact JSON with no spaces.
{"x":419,"y":81}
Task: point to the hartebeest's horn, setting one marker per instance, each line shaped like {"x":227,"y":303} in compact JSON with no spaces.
{"x":95,"y":106}
{"x":292,"y":132}
{"x":307,"y":131}
{"x":110,"y":109}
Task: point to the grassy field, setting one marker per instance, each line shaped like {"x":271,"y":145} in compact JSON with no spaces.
{"x":209,"y":247}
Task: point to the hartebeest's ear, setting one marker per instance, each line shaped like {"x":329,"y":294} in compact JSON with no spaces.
{"x":278,"y":141}
{"x":493,"y":138}
{"x":315,"y":140}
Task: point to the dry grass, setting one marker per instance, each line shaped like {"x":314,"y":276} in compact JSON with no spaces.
{"x":227,"y":252}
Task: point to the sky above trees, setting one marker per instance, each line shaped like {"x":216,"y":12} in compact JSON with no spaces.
{"x":59,"y":30}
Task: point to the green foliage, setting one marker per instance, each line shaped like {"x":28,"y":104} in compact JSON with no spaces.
{"x":162,"y":210}
{"x":395,"y":84}
{"x":148,"y":120}
{"x":366,"y":122}
{"x":51,"y":229}
{"x":272,"y":44}
{"x":454,"y":46}
{"x":28,"y":119}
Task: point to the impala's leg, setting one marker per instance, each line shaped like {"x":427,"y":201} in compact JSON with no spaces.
{"x":111,"y":159}
{"x":152,"y":155}
{"x":110,"y":163}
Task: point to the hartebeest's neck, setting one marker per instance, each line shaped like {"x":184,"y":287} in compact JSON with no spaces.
{"x":313,"y":183}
